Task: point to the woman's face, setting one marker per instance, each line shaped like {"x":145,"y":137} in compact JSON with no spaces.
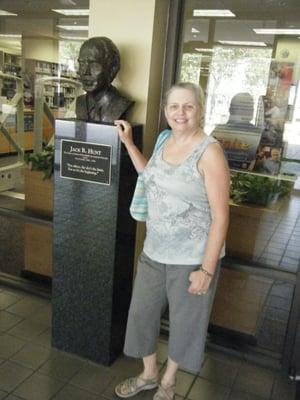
{"x":182,"y":111}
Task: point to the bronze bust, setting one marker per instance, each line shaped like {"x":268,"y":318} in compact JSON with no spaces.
{"x":99,"y":63}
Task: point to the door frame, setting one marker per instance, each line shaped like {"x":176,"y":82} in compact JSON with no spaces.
{"x":291,"y":353}
{"x":170,"y":65}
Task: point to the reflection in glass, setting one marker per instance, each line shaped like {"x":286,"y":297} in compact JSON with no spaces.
{"x":239,"y":137}
{"x":252,"y":91}
{"x":242,"y":70}
{"x":31,"y":48}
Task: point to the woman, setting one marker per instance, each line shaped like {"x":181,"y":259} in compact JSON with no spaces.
{"x":187,"y":188}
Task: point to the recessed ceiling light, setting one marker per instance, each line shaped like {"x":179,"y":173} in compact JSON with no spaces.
{"x":213,"y":13}
{"x":10,"y":36}
{"x":72,"y":37}
{"x":194,"y":30}
{"x":3,"y":12}
{"x":75,"y":12}
{"x":204,"y":49}
{"x":243,"y":43}
{"x":275,"y":31}
{"x":74,"y":27}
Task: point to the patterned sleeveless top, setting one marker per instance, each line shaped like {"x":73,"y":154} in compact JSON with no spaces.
{"x":179,"y":215}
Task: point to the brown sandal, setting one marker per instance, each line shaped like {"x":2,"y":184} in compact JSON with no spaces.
{"x":131,"y":386}
{"x":163,"y":393}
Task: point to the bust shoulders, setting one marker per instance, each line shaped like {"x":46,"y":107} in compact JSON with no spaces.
{"x":106,"y":107}
{"x":114,"y":105}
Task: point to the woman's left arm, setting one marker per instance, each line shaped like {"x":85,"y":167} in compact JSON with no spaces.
{"x":214,"y":168}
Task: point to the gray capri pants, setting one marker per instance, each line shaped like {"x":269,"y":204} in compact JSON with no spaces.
{"x":157,"y":285}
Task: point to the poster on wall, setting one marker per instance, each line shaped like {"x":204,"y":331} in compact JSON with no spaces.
{"x":240,"y":145}
{"x":276,"y":102}
{"x":268,"y":159}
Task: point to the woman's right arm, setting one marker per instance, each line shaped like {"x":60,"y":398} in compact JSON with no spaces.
{"x":125,"y":134}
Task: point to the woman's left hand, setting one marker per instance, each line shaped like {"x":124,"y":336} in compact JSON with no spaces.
{"x":200,"y":282}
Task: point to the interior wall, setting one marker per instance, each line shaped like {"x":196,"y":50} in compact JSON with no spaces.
{"x":140,"y":36}
{"x":10,"y":50}
{"x":138,"y":28}
{"x":288,"y":50}
{"x":29,"y":26}
{"x":37,"y":41}
{"x":40,"y":49}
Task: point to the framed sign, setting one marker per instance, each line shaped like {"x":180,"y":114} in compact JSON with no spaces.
{"x":84,"y":161}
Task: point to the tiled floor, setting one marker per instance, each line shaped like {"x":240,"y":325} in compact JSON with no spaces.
{"x":274,"y":319}
{"x":272,"y":234}
{"x":270,"y":238}
{"x":31,"y":370}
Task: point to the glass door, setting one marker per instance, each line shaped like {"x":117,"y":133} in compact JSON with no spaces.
{"x":246,"y":56}
{"x":38,"y":61}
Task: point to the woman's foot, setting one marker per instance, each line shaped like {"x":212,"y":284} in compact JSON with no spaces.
{"x":131,"y":386}
{"x":166,"y":391}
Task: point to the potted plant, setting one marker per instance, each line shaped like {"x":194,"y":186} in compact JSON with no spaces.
{"x":39,"y":181}
{"x":251,"y":197}
{"x":255,"y":189}
{"x":39,"y":200}
{"x":43,"y":161}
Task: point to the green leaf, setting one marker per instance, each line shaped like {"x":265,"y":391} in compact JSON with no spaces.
{"x":249,"y":188}
{"x":43,"y":161}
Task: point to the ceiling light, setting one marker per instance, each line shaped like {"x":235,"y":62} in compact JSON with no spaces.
{"x":3,"y":12}
{"x":72,"y":37}
{"x":10,"y":36}
{"x":204,"y":49}
{"x":243,"y":43}
{"x":213,"y":13}
{"x":277,"y":31}
{"x":74,"y":12}
{"x":74,"y":27}
{"x":194,"y":30}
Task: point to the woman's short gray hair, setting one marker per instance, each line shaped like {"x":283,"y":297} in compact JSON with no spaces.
{"x":196,"y":89}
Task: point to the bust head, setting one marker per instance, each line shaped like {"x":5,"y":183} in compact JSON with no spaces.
{"x":242,"y":106}
{"x":99,"y":63}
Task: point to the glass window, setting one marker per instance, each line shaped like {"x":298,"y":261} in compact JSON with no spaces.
{"x":246,"y":56}
{"x":38,"y":82}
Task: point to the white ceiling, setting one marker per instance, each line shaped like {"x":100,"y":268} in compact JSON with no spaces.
{"x":36,"y":19}
{"x":251,"y":9}
{"x":205,"y":32}
{"x":40,"y":8}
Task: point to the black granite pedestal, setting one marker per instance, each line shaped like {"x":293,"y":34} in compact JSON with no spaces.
{"x":94,"y":239}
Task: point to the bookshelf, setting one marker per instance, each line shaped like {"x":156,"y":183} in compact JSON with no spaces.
{"x":9,"y":64}
{"x":56,"y":95}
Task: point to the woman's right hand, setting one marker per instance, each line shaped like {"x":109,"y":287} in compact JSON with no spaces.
{"x":125,"y":131}
{"x":125,"y":134}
